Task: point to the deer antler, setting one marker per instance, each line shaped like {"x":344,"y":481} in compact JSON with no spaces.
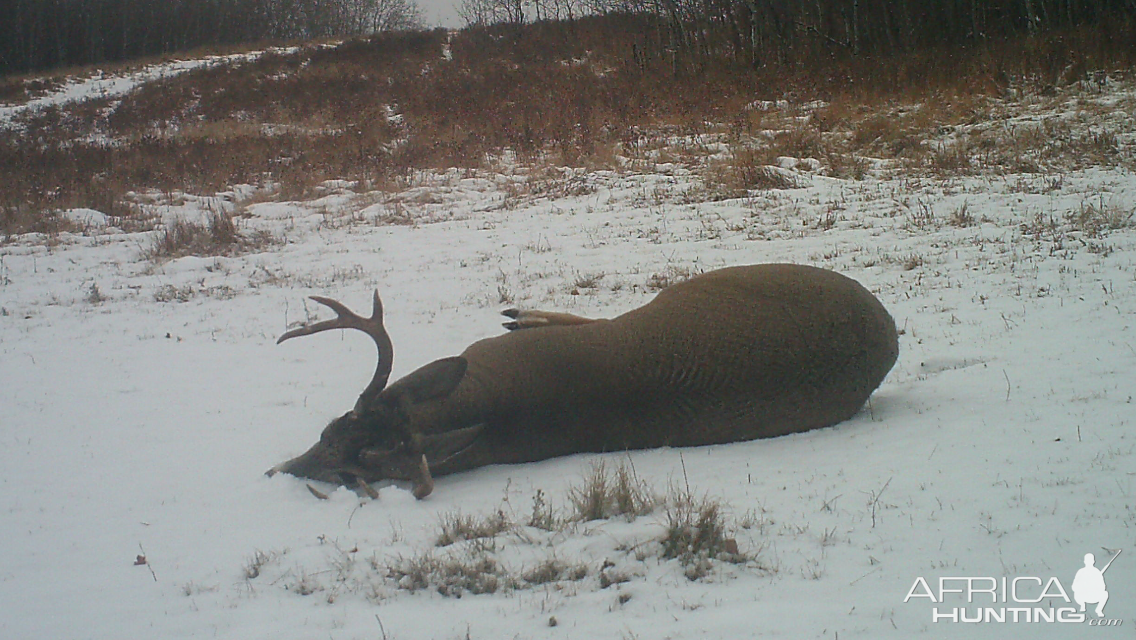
{"x":372,"y":326}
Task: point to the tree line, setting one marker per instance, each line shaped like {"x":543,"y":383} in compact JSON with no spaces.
{"x":43,"y":34}
{"x":763,"y":31}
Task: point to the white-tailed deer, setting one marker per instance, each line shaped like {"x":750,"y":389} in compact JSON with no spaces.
{"x":735,"y":354}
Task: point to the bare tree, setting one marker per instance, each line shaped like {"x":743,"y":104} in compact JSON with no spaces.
{"x":479,"y":12}
{"x":393,"y":15}
{"x":486,"y":12}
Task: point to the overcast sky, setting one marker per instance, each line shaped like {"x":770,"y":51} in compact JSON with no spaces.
{"x":441,"y":13}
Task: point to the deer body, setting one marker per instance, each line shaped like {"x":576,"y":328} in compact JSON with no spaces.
{"x":730,"y":355}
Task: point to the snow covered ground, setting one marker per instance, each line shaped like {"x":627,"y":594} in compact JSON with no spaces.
{"x":113,"y":85}
{"x":142,"y":402}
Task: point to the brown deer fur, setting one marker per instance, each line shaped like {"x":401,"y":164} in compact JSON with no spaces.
{"x":730,"y":355}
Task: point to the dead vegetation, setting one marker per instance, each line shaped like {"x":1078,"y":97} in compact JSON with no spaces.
{"x":563,"y":94}
{"x":217,"y":235}
{"x":605,"y":495}
{"x":453,"y":576}
{"x":696,"y":534}
{"x":670,"y":276}
{"x":473,"y":554}
{"x":1096,"y":219}
{"x":1085,"y":228}
{"x":746,"y":169}
{"x":499,"y":552}
{"x":457,"y":527}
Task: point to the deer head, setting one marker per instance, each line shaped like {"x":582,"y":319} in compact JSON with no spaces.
{"x":376,"y":440}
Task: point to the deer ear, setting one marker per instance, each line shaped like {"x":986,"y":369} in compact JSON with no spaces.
{"x":435,"y":380}
{"x":440,"y":447}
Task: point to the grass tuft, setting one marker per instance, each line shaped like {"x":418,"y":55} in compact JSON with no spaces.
{"x":543,"y":516}
{"x":452,"y":576}
{"x":694,"y":527}
{"x":603,"y":496}
{"x":216,"y":236}
{"x":1096,"y":220}
{"x":554,"y":570}
{"x":457,"y":527}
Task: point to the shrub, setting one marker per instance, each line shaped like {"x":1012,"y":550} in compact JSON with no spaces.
{"x":217,"y":236}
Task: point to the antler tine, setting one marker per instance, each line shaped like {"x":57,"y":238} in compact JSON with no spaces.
{"x":373,"y":326}
{"x":347,"y":319}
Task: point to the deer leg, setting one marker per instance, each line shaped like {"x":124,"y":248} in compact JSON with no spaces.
{"x":536,"y":319}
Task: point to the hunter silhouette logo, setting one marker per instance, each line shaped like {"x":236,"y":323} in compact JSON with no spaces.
{"x":1029,"y":599}
{"x":1088,"y":584}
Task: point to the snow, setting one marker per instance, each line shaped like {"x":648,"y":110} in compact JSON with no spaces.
{"x":102,"y":84}
{"x":1001,"y":444}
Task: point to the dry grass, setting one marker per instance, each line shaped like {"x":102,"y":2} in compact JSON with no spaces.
{"x":565,"y":94}
{"x":543,"y":515}
{"x":1088,"y":226}
{"x":17,"y":90}
{"x":495,"y":554}
{"x":452,"y":576}
{"x":744,"y":170}
{"x":604,"y":495}
{"x":555,"y":570}
{"x":218,"y":235}
{"x":694,"y":527}
{"x":1095,"y":220}
{"x":456,"y":527}
{"x":669,"y":276}
{"x":16,"y":219}
{"x":961,"y":217}
{"x":697,"y":532}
